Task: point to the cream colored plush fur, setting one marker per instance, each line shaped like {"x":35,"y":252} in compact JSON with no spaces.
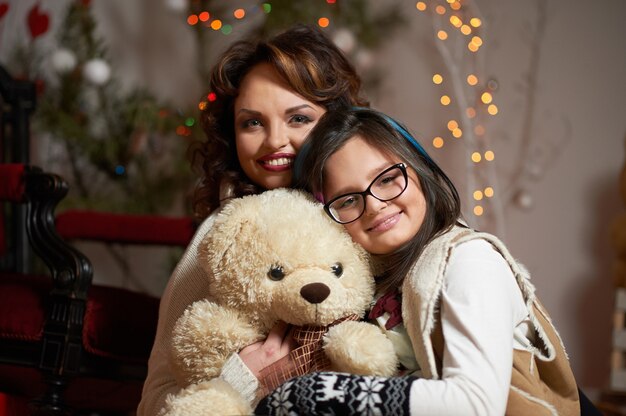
{"x":279,"y":229}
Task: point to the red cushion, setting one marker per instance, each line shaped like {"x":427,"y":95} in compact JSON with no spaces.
{"x":118,"y":324}
{"x":83,"y":393}
{"x":11,"y":182}
{"x":123,"y":228}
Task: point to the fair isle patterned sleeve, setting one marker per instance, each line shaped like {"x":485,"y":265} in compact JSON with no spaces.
{"x":329,"y":393}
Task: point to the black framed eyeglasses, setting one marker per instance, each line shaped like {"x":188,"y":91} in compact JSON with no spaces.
{"x":388,"y":185}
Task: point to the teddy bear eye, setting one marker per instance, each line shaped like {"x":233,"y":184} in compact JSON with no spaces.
{"x":276,"y":273}
{"x":337,"y":269}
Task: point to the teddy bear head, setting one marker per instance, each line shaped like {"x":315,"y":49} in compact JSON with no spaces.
{"x":277,"y":256}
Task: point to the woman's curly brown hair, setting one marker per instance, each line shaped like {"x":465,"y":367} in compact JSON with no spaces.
{"x":307,"y":60}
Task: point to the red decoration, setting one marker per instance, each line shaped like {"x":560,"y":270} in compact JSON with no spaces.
{"x":37,"y":22}
{"x":4,"y":8}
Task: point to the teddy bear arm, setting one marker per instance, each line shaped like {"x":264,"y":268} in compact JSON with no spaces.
{"x":360,"y":348}
{"x":205,"y":336}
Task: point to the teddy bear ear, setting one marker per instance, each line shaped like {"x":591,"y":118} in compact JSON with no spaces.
{"x":225,"y":235}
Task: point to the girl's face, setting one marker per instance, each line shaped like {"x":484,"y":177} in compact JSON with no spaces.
{"x":271,"y":122}
{"x":384,"y":226}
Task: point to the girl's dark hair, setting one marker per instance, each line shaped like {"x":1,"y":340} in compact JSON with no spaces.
{"x":307,"y":60}
{"x":443,"y":206}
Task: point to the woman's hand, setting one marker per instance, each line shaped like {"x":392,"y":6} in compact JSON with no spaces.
{"x":278,"y":344}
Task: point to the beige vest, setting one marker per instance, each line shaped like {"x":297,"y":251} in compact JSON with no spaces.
{"x":542,"y":382}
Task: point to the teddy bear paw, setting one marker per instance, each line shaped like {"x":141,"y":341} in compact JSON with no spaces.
{"x":209,"y":398}
{"x":360,"y":348}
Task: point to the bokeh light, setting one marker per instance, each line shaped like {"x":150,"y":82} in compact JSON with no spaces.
{"x":457,"y":133}
{"x":489,"y":192}
{"x":445,"y":100}
{"x":492,"y":109}
{"x":476,"y":157}
{"x":472,"y":79}
{"x":437,"y":79}
{"x":216,"y":24}
{"x":421,"y":6}
{"x":438,"y":142}
{"x":204,"y":16}
{"x":239,"y":13}
{"x":478,"y":195}
{"x":486,"y":97}
{"x":489,"y":155}
{"x":192,"y":19}
{"x":323,"y":21}
{"x":478,"y":210}
{"x":452,"y":124}
{"x":442,"y":34}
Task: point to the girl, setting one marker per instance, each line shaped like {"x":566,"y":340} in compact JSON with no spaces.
{"x":482,"y":342}
{"x":268,"y":95}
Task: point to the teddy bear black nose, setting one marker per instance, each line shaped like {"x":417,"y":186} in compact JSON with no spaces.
{"x":315,"y":292}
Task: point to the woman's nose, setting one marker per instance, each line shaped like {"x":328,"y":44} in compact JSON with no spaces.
{"x":276,"y":136}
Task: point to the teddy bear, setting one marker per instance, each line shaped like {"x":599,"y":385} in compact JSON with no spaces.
{"x":275,"y":256}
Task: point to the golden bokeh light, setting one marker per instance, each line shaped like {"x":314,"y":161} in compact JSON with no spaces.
{"x":478,"y":195}
{"x":492,"y":109}
{"x":466,"y":30}
{"x":489,"y":155}
{"x":472,"y":47}
{"x":442,"y":34}
{"x":323,"y":21}
{"x":475,"y":21}
{"x":445,"y":100}
{"x":456,"y":5}
{"x":456,"y":21}
{"x":458,"y":133}
{"x":476,"y":157}
{"x":420,"y":5}
{"x":452,"y":124}
{"x":472,"y":79}
{"x":479,"y":130}
{"x":489,"y":192}
{"x":486,"y":97}
{"x":440,"y":10}
{"x":476,"y":40}
{"x":471,"y":112}
{"x":239,"y":13}
{"x":437,"y":79}
{"x":216,"y":24}
{"x":478,"y":210}
{"x":438,"y":142}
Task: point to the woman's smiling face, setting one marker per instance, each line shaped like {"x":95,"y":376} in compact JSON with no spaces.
{"x":384,"y":226}
{"x":271,"y":123}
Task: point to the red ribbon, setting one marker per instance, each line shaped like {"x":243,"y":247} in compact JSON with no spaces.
{"x":390,"y":302}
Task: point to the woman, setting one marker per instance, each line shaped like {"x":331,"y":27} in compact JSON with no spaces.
{"x":268,"y":95}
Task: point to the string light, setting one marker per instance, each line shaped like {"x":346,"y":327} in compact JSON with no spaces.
{"x":323,"y":22}
{"x":239,"y":13}
{"x":486,"y":97}
{"x":466,"y":30}
{"x":475,"y":21}
{"x":421,"y":6}
{"x":476,"y":157}
{"x":445,"y":100}
{"x":472,"y":79}
{"x":489,"y":192}
{"x":492,"y":109}
{"x":489,"y":155}
{"x":478,"y":195}
{"x":452,"y":124}
{"x":442,"y":34}
{"x":478,"y":210}
{"x":440,"y":10}
{"x":438,"y":142}
{"x":204,"y":16}
{"x":437,"y":79}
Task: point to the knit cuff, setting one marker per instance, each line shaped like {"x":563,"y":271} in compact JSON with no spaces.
{"x":239,"y":376}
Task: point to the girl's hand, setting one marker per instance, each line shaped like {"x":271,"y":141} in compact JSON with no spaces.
{"x":279,"y":344}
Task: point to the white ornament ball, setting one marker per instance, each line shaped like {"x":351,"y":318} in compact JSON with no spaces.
{"x":97,"y":71}
{"x":524,"y":200}
{"x":364,"y":59}
{"x":63,"y":60}
{"x":176,"y":5}
{"x":345,"y":40}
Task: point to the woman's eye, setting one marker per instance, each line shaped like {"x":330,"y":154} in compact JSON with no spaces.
{"x":251,"y":123}
{"x":300,"y":119}
{"x":276,"y":273}
{"x":337,"y":269}
{"x":388,"y":179}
